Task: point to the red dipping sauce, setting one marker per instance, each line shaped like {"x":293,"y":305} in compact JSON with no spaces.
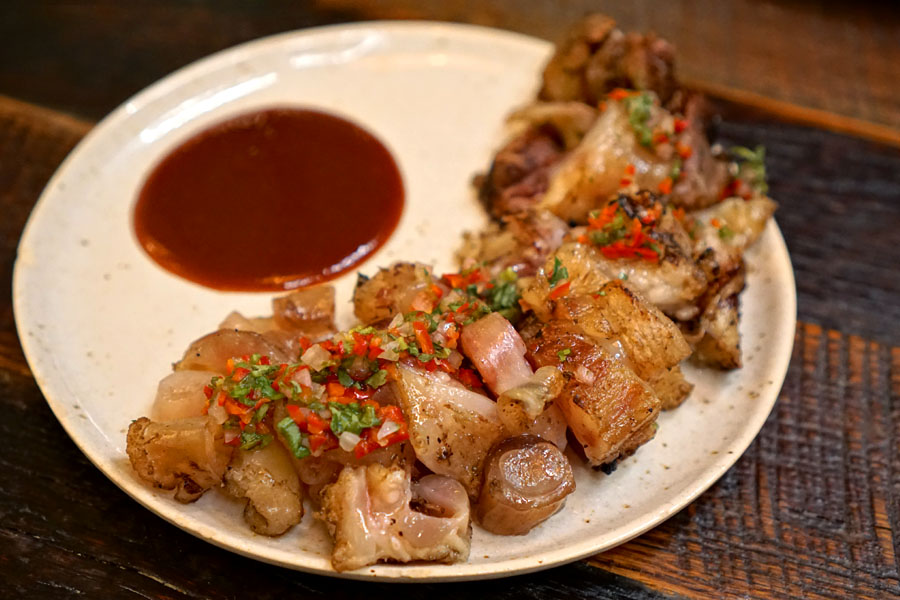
{"x":271,"y":200}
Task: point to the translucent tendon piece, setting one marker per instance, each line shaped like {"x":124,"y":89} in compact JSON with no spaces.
{"x":180,"y":395}
{"x":375,"y":513}
{"x":266,"y":478}
{"x":212,"y":351}
{"x":526,"y":480}
{"x":450,"y":427}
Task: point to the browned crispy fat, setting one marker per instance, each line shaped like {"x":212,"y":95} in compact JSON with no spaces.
{"x":596,"y":58}
{"x":650,"y":339}
{"x":187,"y":455}
{"x":720,"y":345}
{"x":610,"y":410}
{"x":670,"y":387}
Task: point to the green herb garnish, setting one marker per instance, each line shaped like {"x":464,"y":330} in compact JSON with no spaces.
{"x":251,"y":439}
{"x":351,"y":417}
{"x":559,"y":273}
{"x":638,"y":108}
{"x":293,"y":437}
{"x":751,"y":167}
{"x":377,"y":379}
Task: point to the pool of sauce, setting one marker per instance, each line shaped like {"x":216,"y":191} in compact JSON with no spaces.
{"x":271,"y":200}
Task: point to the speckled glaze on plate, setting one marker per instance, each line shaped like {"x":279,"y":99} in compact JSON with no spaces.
{"x":101,"y":323}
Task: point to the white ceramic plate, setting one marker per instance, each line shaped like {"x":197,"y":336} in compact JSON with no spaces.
{"x":101,"y":323}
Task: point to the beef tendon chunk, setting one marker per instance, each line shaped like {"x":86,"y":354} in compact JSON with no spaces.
{"x":396,"y":290}
{"x":451,"y":428}
{"x":212,"y":351}
{"x":526,"y":480}
{"x":266,"y":478}
{"x":308,"y":312}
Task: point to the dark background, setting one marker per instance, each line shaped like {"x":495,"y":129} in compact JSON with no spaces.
{"x":88,"y":56}
{"x":812,"y":509}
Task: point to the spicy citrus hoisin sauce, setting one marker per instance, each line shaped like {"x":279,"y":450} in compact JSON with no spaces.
{"x":271,"y":200}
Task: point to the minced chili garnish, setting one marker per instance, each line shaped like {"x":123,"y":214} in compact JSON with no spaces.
{"x":329,"y":393}
{"x":748,"y":173}
{"x":619,"y":235}
{"x":638,"y":106}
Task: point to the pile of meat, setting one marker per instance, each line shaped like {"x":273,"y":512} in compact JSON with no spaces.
{"x":616,"y":254}
{"x":611,"y":122}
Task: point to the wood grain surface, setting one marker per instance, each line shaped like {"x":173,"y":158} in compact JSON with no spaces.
{"x":811,"y":510}
{"x":833,"y":64}
{"x":813,"y":507}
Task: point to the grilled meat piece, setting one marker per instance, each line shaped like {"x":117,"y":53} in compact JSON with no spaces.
{"x":521,"y":242}
{"x":597,"y":57}
{"x":376,"y":513}
{"x":720,"y":345}
{"x":673,"y":285}
{"x":520,"y":172}
{"x":609,"y":409}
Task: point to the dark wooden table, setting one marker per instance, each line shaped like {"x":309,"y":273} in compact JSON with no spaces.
{"x":811,"y":510}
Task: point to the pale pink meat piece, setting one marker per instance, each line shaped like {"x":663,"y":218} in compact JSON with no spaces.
{"x":376,"y":513}
{"x":497,"y":351}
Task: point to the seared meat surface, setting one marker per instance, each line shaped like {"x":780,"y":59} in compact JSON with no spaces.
{"x":610,"y":410}
{"x":520,"y":173}
{"x":597,"y":57}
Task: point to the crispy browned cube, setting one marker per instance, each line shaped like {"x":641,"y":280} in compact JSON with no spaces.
{"x":610,"y":410}
{"x":650,"y":339}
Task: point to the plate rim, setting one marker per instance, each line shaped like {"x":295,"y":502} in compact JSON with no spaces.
{"x":396,"y":573}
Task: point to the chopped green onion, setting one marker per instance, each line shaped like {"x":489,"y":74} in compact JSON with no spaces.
{"x":559,"y":272}
{"x":293,"y":437}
